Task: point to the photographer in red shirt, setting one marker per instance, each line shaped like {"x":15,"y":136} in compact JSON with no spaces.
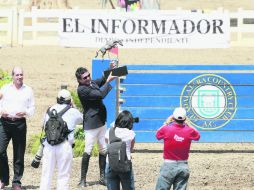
{"x":177,"y":136}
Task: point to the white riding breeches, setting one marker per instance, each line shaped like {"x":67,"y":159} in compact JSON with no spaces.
{"x":93,"y":136}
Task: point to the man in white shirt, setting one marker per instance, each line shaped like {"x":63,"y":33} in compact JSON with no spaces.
{"x":16,"y":104}
{"x":60,"y":155}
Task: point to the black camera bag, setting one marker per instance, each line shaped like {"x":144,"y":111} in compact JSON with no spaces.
{"x":56,"y":128}
{"x":117,"y":156}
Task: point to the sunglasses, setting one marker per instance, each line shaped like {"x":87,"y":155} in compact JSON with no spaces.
{"x":84,"y":78}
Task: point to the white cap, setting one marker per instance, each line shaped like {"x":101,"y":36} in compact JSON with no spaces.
{"x":64,"y":94}
{"x":179,"y":113}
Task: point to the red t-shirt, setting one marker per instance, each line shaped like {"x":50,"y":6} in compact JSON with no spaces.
{"x":177,"y":140}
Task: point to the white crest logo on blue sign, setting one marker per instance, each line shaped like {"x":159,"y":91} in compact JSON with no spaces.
{"x":210,"y":101}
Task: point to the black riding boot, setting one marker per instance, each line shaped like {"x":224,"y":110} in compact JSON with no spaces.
{"x":102,"y":164}
{"x":84,"y":168}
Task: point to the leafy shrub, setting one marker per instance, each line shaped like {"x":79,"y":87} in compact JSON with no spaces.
{"x":4,"y":78}
{"x":79,"y":136}
{"x":79,"y":133}
{"x":34,"y":143}
{"x":76,"y":101}
{"x":95,"y":151}
{"x":79,"y":148}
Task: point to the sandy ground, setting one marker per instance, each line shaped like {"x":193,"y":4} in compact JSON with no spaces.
{"x":213,"y":166}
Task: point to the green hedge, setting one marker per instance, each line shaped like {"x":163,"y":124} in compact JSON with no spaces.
{"x":76,"y":101}
{"x":79,"y":136}
{"x":4,"y":78}
{"x":34,"y":143}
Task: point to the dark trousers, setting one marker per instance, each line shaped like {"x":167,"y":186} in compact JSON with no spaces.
{"x":114,"y":179}
{"x":15,"y":130}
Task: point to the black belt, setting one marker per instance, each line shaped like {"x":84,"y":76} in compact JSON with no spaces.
{"x":13,"y":119}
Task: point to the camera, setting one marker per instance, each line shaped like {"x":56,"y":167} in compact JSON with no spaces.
{"x":135,"y":120}
{"x":36,"y":161}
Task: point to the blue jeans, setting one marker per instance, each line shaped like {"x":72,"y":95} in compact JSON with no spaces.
{"x":174,"y":173}
{"x":114,"y":179}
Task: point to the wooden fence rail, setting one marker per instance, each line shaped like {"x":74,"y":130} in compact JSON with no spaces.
{"x":38,"y":27}
{"x":8,"y":26}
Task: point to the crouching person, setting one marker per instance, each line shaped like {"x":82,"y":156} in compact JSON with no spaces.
{"x":120,"y":139}
{"x":177,"y":136}
{"x":58,"y":144}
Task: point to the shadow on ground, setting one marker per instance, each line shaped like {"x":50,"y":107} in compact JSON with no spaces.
{"x":27,"y":187}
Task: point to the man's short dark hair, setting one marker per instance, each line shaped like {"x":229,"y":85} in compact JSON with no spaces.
{"x":80,"y":71}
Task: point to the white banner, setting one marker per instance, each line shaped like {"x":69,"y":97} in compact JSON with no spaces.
{"x":144,"y":29}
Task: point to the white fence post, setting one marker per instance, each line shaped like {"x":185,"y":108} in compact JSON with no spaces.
{"x":244,"y":31}
{"x":34,"y":22}
{"x":6,"y":24}
{"x":42,"y":28}
{"x":15,"y":26}
{"x":20,"y":27}
{"x":239,"y":24}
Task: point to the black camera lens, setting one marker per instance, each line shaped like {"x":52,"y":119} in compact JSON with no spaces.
{"x":35,"y":164}
{"x":135,"y":120}
{"x":36,"y":161}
